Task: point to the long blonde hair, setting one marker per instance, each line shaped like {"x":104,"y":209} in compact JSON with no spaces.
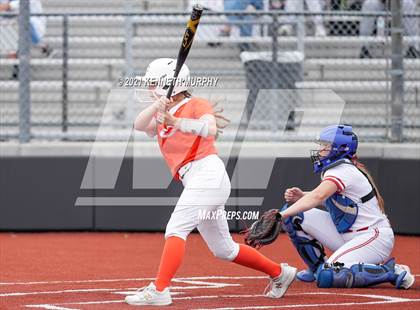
{"x":221,"y":121}
{"x":355,"y":160}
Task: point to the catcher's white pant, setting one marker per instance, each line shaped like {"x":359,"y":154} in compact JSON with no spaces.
{"x":206,"y":189}
{"x":371,"y":246}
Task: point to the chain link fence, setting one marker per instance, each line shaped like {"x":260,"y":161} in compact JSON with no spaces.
{"x":334,"y":65}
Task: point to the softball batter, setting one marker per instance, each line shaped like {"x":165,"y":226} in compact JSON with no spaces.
{"x":355,"y":227}
{"x":186,"y":128}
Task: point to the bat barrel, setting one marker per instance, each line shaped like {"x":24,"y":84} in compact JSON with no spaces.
{"x":187,"y":40}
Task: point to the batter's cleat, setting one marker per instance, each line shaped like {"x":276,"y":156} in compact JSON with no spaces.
{"x":405,"y":279}
{"x":279,"y":285}
{"x":150,"y":296}
{"x":306,"y":275}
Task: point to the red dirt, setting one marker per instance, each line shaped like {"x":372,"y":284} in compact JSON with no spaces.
{"x":46,"y":257}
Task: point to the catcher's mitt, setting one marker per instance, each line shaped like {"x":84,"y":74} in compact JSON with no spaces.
{"x":265,"y":230}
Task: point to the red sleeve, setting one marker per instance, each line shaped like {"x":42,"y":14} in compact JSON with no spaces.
{"x":340,"y":185}
{"x":201,"y":107}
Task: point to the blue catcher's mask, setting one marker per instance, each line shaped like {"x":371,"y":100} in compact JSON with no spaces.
{"x":343,"y":142}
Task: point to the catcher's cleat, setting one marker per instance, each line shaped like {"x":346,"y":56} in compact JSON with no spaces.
{"x":279,"y":285}
{"x":405,"y":279}
{"x":306,"y":275}
{"x":149,"y":296}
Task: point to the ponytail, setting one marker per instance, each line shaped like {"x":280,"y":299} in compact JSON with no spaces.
{"x":362,"y":168}
{"x":221,"y":121}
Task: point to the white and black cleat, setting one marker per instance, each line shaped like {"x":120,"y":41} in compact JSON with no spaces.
{"x":150,"y":296}
{"x":279,"y":285}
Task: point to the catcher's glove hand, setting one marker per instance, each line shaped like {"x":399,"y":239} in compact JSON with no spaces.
{"x":265,"y":230}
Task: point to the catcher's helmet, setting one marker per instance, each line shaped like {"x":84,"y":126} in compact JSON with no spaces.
{"x":161,"y":71}
{"x":343,"y":143}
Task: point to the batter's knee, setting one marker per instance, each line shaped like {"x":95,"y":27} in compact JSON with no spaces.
{"x":178,"y":228}
{"x":176,"y":234}
{"x":226,"y":253}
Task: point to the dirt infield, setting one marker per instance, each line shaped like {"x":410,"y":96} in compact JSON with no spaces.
{"x":96,"y":270}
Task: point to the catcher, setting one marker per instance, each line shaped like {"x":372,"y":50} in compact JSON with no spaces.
{"x":354,"y":226}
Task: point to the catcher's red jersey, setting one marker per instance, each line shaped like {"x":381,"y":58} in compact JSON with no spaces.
{"x":180,"y":148}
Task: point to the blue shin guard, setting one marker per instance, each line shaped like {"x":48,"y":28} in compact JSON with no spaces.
{"x":358,"y":275}
{"x":310,"y":250}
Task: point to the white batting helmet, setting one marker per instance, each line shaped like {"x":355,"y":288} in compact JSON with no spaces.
{"x":161,"y":71}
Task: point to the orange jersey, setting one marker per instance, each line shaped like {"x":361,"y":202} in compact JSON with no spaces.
{"x":180,"y":148}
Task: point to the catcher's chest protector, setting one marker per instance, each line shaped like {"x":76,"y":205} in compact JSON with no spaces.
{"x":343,"y":211}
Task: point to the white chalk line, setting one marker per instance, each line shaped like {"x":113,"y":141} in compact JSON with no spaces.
{"x":127,"y":280}
{"x":385,"y":300}
{"x":75,"y":281}
{"x":45,"y":306}
{"x":132,"y":279}
{"x":311,"y":305}
{"x":187,"y":280}
{"x":93,"y":290}
{"x":128,"y":290}
{"x":198,"y":285}
{"x":121,"y":301}
{"x":51,"y":307}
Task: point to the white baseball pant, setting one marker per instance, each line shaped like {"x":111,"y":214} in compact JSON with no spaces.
{"x":372,"y":246}
{"x":206,"y":188}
